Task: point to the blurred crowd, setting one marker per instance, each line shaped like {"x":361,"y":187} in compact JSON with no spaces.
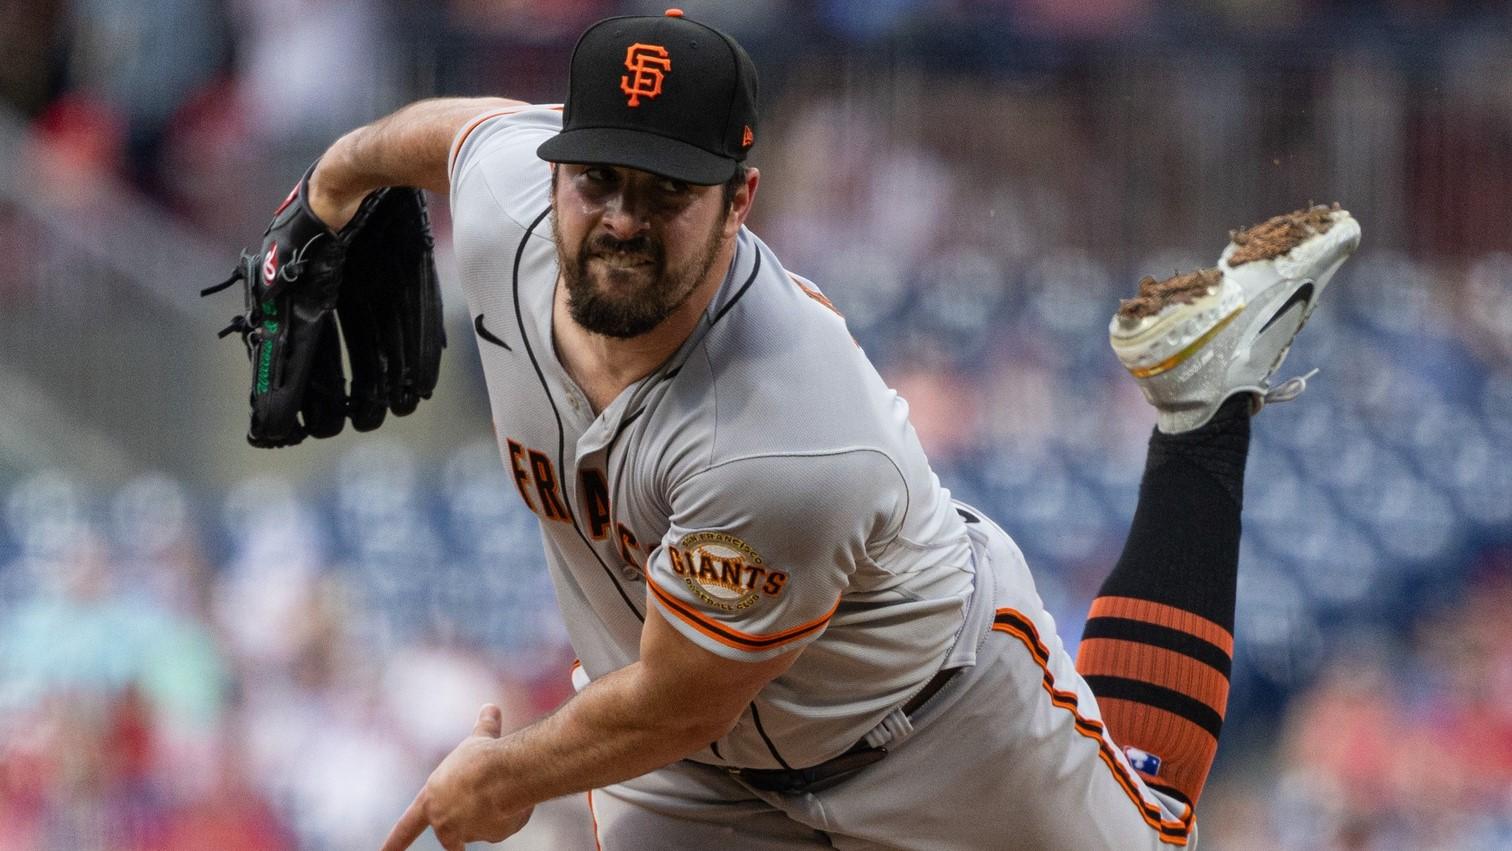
{"x":280,"y":674}
{"x":1403,"y":741}
{"x":193,"y":101}
{"x":975,"y":184}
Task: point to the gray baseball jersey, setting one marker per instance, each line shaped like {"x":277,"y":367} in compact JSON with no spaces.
{"x":764,"y":490}
{"x":764,"y":485}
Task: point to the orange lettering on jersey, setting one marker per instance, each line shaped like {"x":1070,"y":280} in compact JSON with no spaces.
{"x":546,"y":487}
{"x":815,"y":294}
{"x":679,"y":565}
{"x":730,"y":570}
{"x":753,"y":575}
{"x":595,"y":502}
{"x":521,"y":478}
{"x":707,"y":572}
{"x":775,"y":581}
{"x":628,"y":545}
{"x":648,"y":65}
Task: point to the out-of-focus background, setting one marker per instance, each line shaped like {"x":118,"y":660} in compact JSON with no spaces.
{"x":204,"y":645}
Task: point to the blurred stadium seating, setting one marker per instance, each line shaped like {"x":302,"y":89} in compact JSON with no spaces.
{"x":203,"y":645}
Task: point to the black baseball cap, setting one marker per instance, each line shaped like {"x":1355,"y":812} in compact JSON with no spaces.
{"x":661,"y":94}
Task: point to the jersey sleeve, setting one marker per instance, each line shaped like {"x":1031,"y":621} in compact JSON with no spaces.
{"x":760,"y":550}
{"x":493,"y":160}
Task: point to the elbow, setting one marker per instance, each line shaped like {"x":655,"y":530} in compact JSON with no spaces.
{"x":695,"y":726}
{"x":698,"y":731}
{"x":672,"y":713}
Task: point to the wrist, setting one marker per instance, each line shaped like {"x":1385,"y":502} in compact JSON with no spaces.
{"x":330,"y":194}
{"x":498,"y":776}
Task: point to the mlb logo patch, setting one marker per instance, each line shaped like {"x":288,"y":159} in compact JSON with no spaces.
{"x":1143,"y":761}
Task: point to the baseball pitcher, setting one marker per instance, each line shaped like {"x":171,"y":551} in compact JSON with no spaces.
{"x":790,"y":635}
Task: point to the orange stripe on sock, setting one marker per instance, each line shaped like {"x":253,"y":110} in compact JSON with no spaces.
{"x":1132,"y":660}
{"x":1160,"y":614}
{"x":1186,"y":750}
{"x":1170,"y":832}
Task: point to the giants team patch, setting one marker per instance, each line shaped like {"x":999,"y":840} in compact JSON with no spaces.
{"x":724,"y":572}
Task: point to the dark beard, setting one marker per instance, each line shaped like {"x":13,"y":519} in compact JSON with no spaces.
{"x":630,"y":315}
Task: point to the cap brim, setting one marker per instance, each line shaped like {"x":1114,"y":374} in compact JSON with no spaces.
{"x":638,"y":149}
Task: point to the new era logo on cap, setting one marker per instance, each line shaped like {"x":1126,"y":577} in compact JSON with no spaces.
{"x":661,"y":94}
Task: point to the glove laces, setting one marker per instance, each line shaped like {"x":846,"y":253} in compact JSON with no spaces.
{"x":1287,"y":390}
{"x":242,"y":323}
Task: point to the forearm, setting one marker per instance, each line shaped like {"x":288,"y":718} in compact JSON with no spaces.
{"x":615,"y":729}
{"x":674,"y":701}
{"x":407,"y":148}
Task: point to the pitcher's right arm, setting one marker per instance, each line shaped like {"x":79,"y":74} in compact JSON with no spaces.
{"x":407,"y":148}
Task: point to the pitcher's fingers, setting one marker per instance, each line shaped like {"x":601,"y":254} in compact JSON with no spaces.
{"x":490,"y":722}
{"x":409,"y":827}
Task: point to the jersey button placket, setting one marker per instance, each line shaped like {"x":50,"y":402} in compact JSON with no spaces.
{"x":576,"y":400}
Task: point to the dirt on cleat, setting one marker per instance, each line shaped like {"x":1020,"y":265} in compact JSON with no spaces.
{"x":1154,"y":296}
{"x":1276,"y":236}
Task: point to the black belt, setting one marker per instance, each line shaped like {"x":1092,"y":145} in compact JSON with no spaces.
{"x":858,"y":757}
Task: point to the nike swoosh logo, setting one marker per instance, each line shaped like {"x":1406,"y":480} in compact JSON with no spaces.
{"x":1302,"y":296}
{"x":489,"y":336}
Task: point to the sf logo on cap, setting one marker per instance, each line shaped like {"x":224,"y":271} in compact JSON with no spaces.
{"x":648,"y":64}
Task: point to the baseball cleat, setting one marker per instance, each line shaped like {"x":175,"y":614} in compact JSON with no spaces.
{"x":1194,"y":340}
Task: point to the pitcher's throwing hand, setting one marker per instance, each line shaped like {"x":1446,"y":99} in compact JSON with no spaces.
{"x":457,"y":801}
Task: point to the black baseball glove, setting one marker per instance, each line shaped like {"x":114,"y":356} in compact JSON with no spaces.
{"x":376,"y":279}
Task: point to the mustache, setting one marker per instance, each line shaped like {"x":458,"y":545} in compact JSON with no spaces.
{"x":639,"y":247}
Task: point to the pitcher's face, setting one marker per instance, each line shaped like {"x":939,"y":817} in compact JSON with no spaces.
{"x":631,"y":245}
